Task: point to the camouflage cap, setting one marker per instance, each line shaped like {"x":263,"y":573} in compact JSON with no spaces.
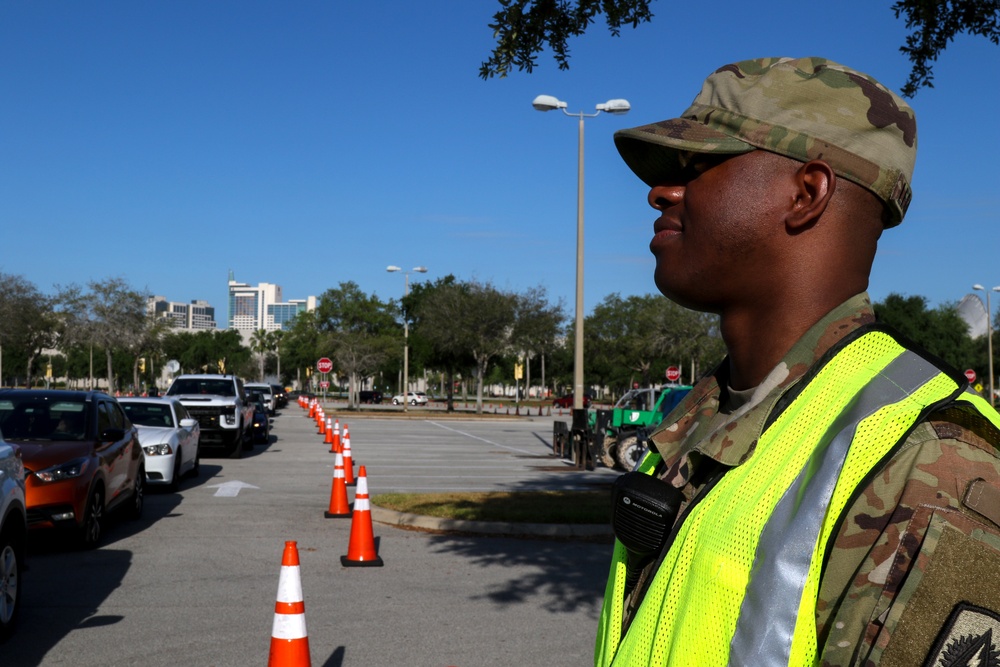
{"x":805,"y":109}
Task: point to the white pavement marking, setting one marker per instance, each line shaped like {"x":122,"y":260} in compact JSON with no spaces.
{"x":231,"y":489}
{"x":476,"y":437}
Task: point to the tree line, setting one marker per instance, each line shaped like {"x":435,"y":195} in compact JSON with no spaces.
{"x":462,"y":334}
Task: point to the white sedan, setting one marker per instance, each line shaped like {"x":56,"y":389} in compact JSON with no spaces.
{"x":169,"y":438}
{"x":413,"y":398}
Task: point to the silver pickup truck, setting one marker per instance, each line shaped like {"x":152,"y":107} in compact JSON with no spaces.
{"x":219,"y":404}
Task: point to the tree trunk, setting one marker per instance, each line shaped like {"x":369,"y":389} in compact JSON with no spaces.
{"x":450,"y":375}
{"x":111,"y":372}
{"x":480,"y":372}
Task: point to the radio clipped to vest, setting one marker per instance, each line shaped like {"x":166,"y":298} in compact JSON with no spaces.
{"x":643,"y":510}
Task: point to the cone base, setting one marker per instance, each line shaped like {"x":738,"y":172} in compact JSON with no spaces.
{"x":346,"y":515}
{"x":361,"y":563}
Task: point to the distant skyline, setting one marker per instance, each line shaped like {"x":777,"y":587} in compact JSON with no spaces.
{"x":310,"y":143}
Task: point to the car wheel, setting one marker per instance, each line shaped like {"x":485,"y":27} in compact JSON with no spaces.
{"x":395,"y":402}
{"x":93,"y":517}
{"x":196,"y":470}
{"x":175,"y":483}
{"x":608,"y":449}
{"x":413,"y":402}
{"x":10,"y":583}
{"x":628,"y":452}
{"x":139,"y":495}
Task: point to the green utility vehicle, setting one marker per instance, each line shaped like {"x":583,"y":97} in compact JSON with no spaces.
{"x":639,"y":410}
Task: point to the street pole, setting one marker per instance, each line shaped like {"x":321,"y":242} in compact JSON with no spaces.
{"x":406,"y":332}
{"x":989,"y":338}
{"x":616,"y":107}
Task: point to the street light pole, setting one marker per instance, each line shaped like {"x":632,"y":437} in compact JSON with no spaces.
{"x":406,"y":331}
{"x":617,"y":107}
{"x":989,"y":335}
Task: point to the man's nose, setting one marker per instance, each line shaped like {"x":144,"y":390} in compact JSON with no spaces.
{"x":665,"y":195}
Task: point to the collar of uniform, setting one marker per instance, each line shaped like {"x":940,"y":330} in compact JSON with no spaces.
{"x":731,"y":442}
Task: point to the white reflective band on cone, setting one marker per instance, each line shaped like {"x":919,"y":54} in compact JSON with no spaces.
{"x":289,"y":626}
{"x":289,"y":584}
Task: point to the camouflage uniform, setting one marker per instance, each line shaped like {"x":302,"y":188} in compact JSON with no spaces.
{"x":914,"y":573}
{"x":886,"y":532}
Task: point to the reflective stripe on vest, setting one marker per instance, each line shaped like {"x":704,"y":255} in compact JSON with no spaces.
{"x":740,"y":581}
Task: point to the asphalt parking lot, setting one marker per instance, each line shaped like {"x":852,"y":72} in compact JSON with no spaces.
{"x":194,"y":581}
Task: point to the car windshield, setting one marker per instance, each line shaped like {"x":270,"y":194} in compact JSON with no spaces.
{"x":148,"y":414}
{"x":201,"y":386}
{"x":30,"y":417}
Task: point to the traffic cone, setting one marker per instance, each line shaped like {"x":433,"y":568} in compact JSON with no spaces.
{"x":312,"y":409}
{"x":361,"y":549}
{"x":329,"y":432}
{"x":339,"y":507}
{"x":322,"y":425}
{"x":289,"y":640}
{"x":343,"y":439}
{"x":348,"y":462}
{"x":335,"y":445}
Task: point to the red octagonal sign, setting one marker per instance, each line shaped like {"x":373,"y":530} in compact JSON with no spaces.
{"x":971,"y":375}
{"x":324,"y":365}
{"x":673,"y":373}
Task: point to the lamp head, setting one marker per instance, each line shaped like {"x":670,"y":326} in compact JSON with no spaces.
{"x":547,"y":103}
{"x":390,"y":268}
{"x":616,"y":107}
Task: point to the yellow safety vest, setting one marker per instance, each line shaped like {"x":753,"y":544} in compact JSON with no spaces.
{"x":739,"y":583}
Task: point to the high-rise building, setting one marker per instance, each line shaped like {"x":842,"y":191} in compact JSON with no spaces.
{"x":194,"y":316}
{"x":261,"y":307}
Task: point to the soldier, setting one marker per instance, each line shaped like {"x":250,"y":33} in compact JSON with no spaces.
{"x":828,"y":495}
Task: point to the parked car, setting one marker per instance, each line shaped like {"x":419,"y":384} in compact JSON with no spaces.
{"x":370,"y":396}
{"x":412,"y":397}
{"x":266,"y":393}
{"x":169,"y":437}
{"x":13,"y":535}
{"x":566,"y":401}
{"x":261,"y":429}
{"x":81,"y":457}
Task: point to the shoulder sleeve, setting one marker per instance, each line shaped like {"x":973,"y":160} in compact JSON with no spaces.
{"x":918,"y":516}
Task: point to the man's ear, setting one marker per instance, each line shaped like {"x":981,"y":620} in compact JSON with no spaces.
{"x":815,"y":182}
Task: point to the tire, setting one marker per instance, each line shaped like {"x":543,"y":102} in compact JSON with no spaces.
{"x":238,"y":443}
{"x":413,"y":402}
{"x":628,"y":451}
{"x":93,"y":518}
{"x":10,"y":582}
{"x":138,"y":495}
{"x":395,"y":402}
{"x":196,"y":470}
{"x":608,"y":449}
{"x":175,"y":483}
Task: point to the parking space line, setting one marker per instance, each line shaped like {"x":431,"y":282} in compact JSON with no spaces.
{"x":476,"y":437}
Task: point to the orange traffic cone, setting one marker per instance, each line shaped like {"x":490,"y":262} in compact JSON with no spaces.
{"x":322,"y":425}
{"x":329,"y":432}
{"x":361,"y":550}
{"x":339,"y":507}
{"x":289,"y":640}
{"x":348,"y":461}
{"x":312,"y":409}
{"x":335,"y":445}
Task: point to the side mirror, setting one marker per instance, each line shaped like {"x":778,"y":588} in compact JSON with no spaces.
{"x":189,"y":423}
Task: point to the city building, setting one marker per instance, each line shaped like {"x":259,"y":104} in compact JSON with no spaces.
{"x":195,"y":316}
{"x":261,"y":307}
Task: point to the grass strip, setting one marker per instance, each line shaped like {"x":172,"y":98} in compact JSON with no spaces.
{"x":577,"y":507}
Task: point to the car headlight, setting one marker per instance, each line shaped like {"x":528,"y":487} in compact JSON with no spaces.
{"x":158,"y":450}
{"x":231,"y":419}
{"x":62,"y":471}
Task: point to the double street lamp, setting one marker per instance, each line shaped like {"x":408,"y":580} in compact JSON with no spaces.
{"x":617,"y":107}
{"x":989,"y":334}
{"x":406,"y":331}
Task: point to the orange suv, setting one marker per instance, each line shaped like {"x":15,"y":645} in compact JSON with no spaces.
{"x":81,"y":456}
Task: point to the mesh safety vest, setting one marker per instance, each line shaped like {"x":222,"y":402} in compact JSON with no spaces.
{"x":739,"y":583}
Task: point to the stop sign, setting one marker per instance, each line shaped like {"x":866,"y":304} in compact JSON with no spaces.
{"x":324,"y":365}
{"x":971,"y":375}
{"x":673,"y":373}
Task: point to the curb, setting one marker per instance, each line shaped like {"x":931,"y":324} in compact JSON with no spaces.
{"x":424,"y":522}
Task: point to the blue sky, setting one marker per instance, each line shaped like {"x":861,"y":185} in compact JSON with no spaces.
{"x":309,"y":143}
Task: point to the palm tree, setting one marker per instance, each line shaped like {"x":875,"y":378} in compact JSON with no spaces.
{"x":260,"y":344}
